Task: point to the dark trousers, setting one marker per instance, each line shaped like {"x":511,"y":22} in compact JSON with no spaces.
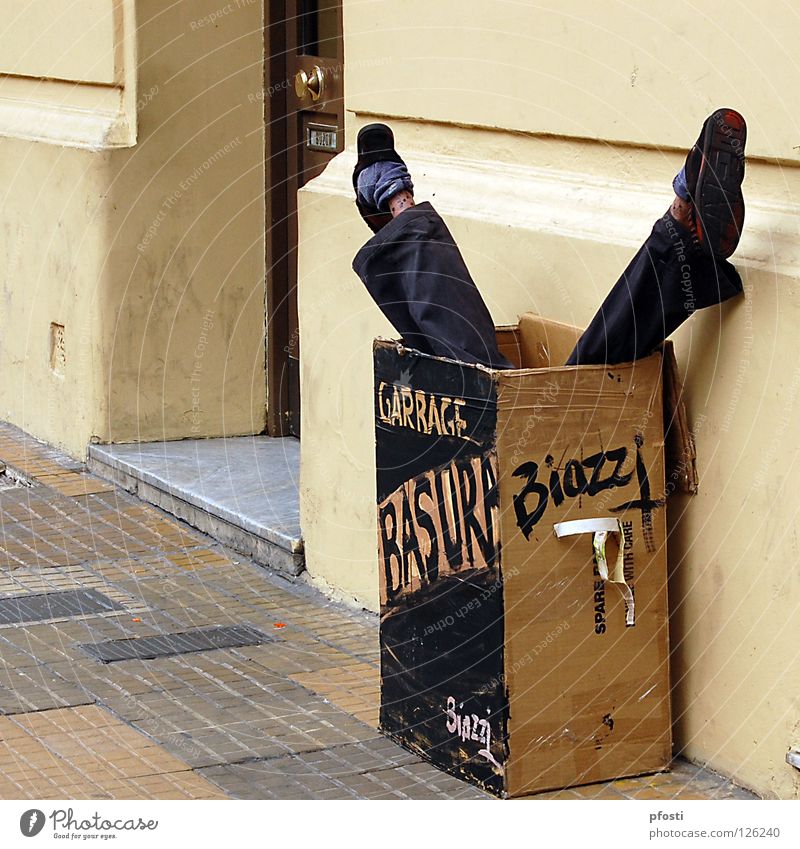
{"x":414,"y":271}
{"x":667,"y":280}
{"x":417,"y":276}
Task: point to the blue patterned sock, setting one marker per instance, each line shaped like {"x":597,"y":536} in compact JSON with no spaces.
{"x":381,"y":181}
{"x":679,"y":184}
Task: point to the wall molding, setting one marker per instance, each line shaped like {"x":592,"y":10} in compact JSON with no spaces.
{"x":569,"y":204}
{"x":68,"y":114}
{"x":96,"y":112}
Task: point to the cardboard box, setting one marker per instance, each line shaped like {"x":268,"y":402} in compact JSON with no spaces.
{"x":507,"y":658}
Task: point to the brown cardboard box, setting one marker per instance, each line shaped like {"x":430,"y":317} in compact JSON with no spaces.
{"x":506,"y":657}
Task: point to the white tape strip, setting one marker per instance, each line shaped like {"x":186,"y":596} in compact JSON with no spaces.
{"x":585,"y":526}
{"x":601,"y":528}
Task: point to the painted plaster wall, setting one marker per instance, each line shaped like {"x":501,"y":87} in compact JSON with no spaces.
{"x":150,"y":257}
{"x":181,"y":311}
{"x":547,"y":221}
{"x":57,"y":40}
{"x":635,"y":73}
{"x":50,"y":251}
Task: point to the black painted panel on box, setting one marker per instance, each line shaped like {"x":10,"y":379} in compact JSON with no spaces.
{"x":428,"y":412}
{"x":442,"y":689}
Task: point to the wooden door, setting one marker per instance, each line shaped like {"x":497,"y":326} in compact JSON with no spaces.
{"x":305,"y":114}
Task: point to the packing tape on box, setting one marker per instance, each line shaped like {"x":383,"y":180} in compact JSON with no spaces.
{"x":601,"y":528}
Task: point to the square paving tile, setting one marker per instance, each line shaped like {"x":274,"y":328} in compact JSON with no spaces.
{"x":89,"y":753}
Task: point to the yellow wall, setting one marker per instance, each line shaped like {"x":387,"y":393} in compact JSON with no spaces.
{"x":144,"y":253}
{"x":549,"y":186}
{"x":68,"y":72}
{"x":57,"y":40}
{"x":638,"y":73}
{"x":184,"y":218}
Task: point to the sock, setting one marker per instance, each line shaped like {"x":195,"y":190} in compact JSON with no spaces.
{"x":381,"y":181}
{"x":679,"y":185}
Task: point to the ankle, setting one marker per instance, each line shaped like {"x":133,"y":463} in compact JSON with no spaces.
{"x":400,"y":202}
{"x":682,"y":211}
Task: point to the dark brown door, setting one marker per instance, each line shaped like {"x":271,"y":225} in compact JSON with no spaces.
{"x":305,"y":114}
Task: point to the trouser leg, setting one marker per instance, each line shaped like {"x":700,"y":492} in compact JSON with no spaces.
{"x":667,"y":280}
{"x":415,"y":273}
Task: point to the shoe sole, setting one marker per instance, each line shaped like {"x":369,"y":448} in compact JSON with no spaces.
{"x":376,"y":137}
{"x":718,"y":201}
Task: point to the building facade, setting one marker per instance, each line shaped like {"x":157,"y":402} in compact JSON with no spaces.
{"x":143,"y":149}
{"x":132,"y":139}
{"x":547,"y":135}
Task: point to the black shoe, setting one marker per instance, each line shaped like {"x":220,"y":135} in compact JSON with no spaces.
{"x":714,"y":175}
{"x":375,"y":144}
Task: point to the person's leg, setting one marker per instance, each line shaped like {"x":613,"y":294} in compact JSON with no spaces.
{"x":415,"y":273}
{"x":412,"y":267}
{"x":667,"y":280}
{"x":400,"y":202}
{"x":682,"y":267}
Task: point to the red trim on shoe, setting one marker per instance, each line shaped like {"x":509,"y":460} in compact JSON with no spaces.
{"x":716,"y":193}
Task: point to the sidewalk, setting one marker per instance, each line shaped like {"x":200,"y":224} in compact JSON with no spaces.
{"x":83,"y":564}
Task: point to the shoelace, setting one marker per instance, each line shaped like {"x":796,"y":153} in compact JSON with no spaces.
{"x":695,"y":237}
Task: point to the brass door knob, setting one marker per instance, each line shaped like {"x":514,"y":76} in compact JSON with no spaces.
{"x":310,"y":84}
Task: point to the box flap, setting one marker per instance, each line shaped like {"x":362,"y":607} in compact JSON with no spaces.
{"x":545,"y":343}
{"x":679,"y":447}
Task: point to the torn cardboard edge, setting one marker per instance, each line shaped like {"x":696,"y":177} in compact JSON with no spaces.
{"x":679,"y":445}
{"x":523,"y":345}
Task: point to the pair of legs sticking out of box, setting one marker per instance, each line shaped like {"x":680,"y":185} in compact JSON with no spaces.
{"x":414,"y":270}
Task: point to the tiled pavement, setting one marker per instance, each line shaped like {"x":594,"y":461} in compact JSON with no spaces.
{"x":294,"y":717}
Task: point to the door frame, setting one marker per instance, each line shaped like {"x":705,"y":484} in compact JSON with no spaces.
{"x":277,"y":222}
{"x":281,"y":210}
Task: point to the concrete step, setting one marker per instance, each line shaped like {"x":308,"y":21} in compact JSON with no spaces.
{"x":242,"y":491}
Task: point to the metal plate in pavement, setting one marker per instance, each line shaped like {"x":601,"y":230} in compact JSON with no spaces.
{"x":164,"y":645}
{"x":39,"y":607}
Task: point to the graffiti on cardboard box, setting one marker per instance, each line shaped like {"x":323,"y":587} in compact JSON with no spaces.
{"x":469,"y":727}
{"x":438,"y":522}
{"x":601,"y":471}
